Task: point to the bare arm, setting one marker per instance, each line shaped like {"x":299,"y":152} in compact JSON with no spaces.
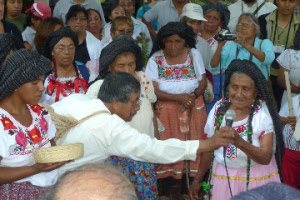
{"x":281,"y":81}
{"x":217,"y":56}
{"x":202,"y":86}
{"x":150,"y":28}
{"x":11,"y":174}
{"x":262,"y":154}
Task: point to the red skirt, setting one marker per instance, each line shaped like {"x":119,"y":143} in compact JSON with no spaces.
{"x":168,"y":113}
{"x":291,"y":168}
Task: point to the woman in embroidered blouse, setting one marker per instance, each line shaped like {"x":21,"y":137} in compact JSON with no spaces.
{"x":68,"y":76}
{"x":289,"y":61}
{"x":250,"y":159}
{"x":178,"y":76}
{"x":24,"y":127}
{"x":124,"y":55}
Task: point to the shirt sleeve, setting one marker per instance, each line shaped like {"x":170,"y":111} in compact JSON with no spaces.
{"x":123,"y":140}
{"x":209,"y":128}
{"x":225,"y":53}
{"x":150,"y":90}
{"x":264,"y":121}
{"x":151,"y":69}
{"x":152,"y":14}
{"x":140,"y":13}
{"x":267,"y":48}
{"x":284,"y":59}
{"x":7,"y":142}
{"x":198,"y":64}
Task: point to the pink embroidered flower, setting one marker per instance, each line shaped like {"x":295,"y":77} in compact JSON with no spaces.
{"x":43,"y":124}
{"x":240,"y":129}
{"x":21,"y":139}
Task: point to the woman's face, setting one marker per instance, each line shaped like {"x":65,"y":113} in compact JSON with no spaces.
{"x":242,"y":91}
{"x":14,"y":8}
{"x":122,"y":29}
{"x":246,"y":28}
{"x":118,"y":11}
{"x":174,"y":45}
{"x":64,"y":52}
{"x":213,"y":22}
{"x":94,"y":22}
{"x":124,"y":63}
{"x":31,"y":92}
{"x":79,"y":23}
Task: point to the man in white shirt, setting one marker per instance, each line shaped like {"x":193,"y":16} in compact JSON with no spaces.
{"x":108,"y":133}
{"x":256,"y":7}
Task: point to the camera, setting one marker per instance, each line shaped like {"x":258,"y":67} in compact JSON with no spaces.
{"x":225,"y":35}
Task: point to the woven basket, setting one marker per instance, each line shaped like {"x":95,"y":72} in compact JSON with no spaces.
{"x":58,"y":153}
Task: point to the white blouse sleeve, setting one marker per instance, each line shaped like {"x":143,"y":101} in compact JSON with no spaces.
{"x":284,"y":59}
{"x":209,"y":128}
{"x":152,"y":69}
{"x":150,"y":90}
{"x":51,"y":126}
{"x":7,"y":143}
{"x":198,"y":63}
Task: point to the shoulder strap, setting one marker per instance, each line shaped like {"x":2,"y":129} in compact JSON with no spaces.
{"x":259,"y":7}
{"x":64,"y":123}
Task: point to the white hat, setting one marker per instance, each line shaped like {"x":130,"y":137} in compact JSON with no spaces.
{"x":193,"y":11}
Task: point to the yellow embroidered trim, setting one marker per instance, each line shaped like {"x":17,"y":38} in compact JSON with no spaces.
{"x":244,"y":179}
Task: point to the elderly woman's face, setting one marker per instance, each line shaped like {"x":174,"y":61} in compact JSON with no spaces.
{"x":174,"y":45}
{"x":64,"y":52}
{"x":79,"y":23}
{"x":241,"y":91}
{"x":124,"y":63}
{"x":213,"y":22}
{"x":246,"y":28}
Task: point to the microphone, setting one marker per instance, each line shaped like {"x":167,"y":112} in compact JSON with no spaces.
{"x":229,"y":118}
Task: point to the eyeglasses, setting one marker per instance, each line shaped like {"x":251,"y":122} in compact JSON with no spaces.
{"x":244,"y":24}
{"x":64,"y":49}
{"x":74,"y":19}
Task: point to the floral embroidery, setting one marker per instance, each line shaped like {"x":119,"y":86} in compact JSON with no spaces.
{"x":35,"y":135}
{"x":7,"y":123}
{"x":70,"y":84}
{"x":43,"y":124}
{"x":36,"y":108}
{"x":175,"y":72}
{"x":21,"y":139}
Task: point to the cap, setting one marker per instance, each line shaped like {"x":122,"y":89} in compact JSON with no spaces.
{"x":40,"y":9}
{"x":193,"y":11}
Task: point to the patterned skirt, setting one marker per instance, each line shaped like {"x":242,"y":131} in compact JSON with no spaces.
{"x":168,"y":113}
{"x":21,"y":191}
{"x":141,"y":174}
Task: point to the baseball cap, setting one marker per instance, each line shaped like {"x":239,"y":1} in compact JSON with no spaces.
{"x":40,"y":9}
{"x":193,"y":11}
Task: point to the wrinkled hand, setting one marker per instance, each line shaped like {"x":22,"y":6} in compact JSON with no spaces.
{"x":224,"y":137}
{"x":292,"y":121}
{"x":194,"y":189}
{"x":241,"y":40}
{"x":186,"y":100}
{"x":45,"y":167}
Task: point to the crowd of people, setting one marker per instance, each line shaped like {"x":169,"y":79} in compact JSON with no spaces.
{"x":174,"y":100}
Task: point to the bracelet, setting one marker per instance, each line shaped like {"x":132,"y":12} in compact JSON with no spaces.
{"x":195,"y":94}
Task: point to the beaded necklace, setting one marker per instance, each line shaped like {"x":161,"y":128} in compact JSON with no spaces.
{"x":207,"y":186}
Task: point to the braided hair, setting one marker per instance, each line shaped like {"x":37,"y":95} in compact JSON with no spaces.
{"x":172,"y":28}
{"x":250,"y":69}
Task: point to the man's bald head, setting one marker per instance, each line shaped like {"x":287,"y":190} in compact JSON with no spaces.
{"x":94,"y":182}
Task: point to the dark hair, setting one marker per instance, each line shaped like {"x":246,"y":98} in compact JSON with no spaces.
{"x":118,"y":86}
{"x":29,"y":16}
{"x":74,"y":10}
{"x":172,"y":28}
{"x":110,"y":6}
{"x":222,"y":9}
{"x":44,"y":30}
{"x":250,"y":69}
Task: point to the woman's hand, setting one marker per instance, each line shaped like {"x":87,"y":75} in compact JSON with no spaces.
{"x":45,"y":167}
{"x":241,"y":40}
{"x":186,"y":100}
{"x":289,"y":120}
